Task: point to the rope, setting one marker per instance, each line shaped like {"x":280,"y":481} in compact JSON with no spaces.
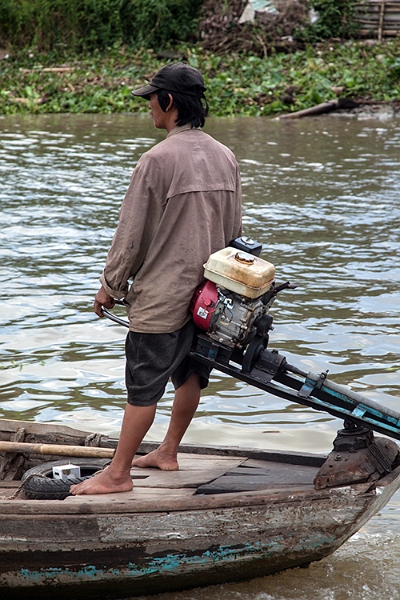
{"x":21,"y":486}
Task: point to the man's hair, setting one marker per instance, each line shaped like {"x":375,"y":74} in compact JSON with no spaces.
{"x":190,"y":108}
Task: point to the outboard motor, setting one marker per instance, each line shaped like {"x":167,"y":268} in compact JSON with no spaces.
{"x":232,"y":304}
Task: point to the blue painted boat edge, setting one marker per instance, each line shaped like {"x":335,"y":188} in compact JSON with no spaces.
{"x":216,"y":565}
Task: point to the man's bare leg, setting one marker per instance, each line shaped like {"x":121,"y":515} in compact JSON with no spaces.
{"x":116,"y":477}
{"x":185,"y":404}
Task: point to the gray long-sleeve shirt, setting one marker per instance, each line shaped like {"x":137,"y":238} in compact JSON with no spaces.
{"x":183,"y":203}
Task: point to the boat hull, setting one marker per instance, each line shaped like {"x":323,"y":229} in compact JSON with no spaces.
{"x":136,"y":553}
{"x":228,"y":514}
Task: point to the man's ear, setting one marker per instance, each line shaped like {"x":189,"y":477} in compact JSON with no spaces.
{"x":171,"y":103}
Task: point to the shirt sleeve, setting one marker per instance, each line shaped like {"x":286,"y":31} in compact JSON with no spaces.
{"x":137,"y":219}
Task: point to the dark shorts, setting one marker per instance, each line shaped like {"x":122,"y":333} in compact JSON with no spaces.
{"x":153,"y":358}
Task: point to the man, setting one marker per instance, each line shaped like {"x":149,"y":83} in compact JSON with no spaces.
{"x":183,"y":203}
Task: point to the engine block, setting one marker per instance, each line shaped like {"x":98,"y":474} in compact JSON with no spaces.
{"x":234,"y":318}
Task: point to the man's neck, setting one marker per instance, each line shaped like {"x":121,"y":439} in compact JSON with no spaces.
{"x":171,"y":119}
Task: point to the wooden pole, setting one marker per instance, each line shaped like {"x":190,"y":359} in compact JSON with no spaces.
{"x":381,"y":19}
{"x":55,"y":449}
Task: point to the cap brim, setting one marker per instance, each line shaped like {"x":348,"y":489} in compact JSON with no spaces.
{"x":144,"y":92}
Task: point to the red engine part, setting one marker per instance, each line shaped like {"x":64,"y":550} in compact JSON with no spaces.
{"x":203,"y":304}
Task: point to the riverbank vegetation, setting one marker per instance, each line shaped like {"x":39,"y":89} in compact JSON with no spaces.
{"x":81,"y":58}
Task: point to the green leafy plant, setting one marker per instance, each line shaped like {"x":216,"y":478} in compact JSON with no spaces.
{"x":237,"y":84}
{"x":87,"y":25}
{"x":336,"y":19}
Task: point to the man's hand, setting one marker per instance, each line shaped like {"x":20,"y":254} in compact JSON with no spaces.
{"x":102,"y":299}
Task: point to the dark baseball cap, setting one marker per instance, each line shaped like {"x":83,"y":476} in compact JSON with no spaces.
{"x":174,"y":77}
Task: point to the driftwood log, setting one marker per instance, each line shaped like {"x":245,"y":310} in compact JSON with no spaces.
{"x":322,"y":108}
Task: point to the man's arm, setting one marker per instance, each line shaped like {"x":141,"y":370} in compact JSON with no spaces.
{"x":137,"y":218}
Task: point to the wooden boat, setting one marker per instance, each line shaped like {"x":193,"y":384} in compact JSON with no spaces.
{"x":228,"y":514}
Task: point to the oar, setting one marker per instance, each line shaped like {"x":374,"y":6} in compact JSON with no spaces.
{"x":56,"y":449}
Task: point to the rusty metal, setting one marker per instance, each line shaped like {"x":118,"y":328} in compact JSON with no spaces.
{"x":357,"y":457}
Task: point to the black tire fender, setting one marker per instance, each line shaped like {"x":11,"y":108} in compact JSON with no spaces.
{"x":38,"y":483}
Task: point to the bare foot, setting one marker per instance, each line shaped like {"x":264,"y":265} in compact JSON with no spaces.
{"x":157,"y":459}
{"x":103,"y":482}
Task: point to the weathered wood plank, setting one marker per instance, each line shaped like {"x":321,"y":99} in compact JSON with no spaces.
{"x":56,"y":531}
{"x":277,"y":473}
{"x":192,"y":472}
{"x":124,"y":503}
{"x":143,"y":553}
{"x":263,"y":474}
{"x":242,"y":483}
{"x":274,"y":470}
{"x":12,"y":464}
{"x":9,"y":426}
{"x":9,"y":484}
{"x":137,"y":494}
{"x":205,"y":527}
{"x":293,"y":458}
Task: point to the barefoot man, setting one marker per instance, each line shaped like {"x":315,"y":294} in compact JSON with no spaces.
{"x":183,"y":203}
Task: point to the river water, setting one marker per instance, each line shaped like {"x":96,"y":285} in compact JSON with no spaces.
{"x":321,"y":194}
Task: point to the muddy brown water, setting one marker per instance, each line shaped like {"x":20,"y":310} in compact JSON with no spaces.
{"x":321,"y":194}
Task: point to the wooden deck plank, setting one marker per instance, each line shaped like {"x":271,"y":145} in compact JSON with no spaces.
{"x":255,"y":463}
{"x":137,"y":494}
{"x":198,"y":462}
{"x":240,"y":483}
{"x":6,"y":493}
{"x":245,"y":478}
{"x":193,"y":471}
{"x":4,"y":485}
{"x":278,"y":473}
